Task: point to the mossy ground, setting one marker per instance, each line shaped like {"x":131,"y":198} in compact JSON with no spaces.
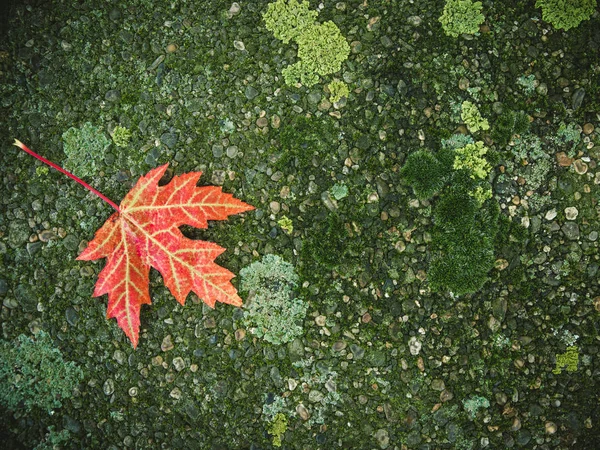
{"x":171,"y":74}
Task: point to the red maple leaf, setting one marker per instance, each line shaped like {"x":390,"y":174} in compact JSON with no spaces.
{"x":144,"y":233}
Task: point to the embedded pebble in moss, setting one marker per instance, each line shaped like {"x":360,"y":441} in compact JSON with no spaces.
{"x":250,"y":92}
{"x":178,"y":364}
{"x":571,"y":230}
{"x":108,"y":387}
{"x":71,"y":316}
{"x":167,"y":344}
{"x":571,"y":213}
{"x":169,"y":139}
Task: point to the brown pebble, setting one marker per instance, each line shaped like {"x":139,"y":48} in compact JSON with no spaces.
{"x":240,"y":334}
{"x":588,"y":128}
{"x":563,"y":160}
{"x":171,"y":48}
{"x":580,"y":166}
{"x":366,"y":318}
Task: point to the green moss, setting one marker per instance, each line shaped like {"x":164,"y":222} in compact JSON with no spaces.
{"x":327,"y":242}
{"x":461,"y":16}
{"x":568,"y":360}
{"x":455,"y":211}
{"x":34,"y":373}
{"x":472,"y":118}
{"x":85,"y":148}
{"x":425,"y":173}
{"x":566,"y":14}
{"x":121,"y":136}
{"x":277,"y":428}
{"x":471,"y":158}
{"x":509,"y":124}
{"x":465,"y":247}
{"x":337,"y":89}
{"x":273,"y":312}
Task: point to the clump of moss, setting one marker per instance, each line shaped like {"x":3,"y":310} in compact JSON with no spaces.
{"x":33,"y":373}
{"x":121,"y":136}
{"x":85,"y":148}
{"x":568,"y":360}
{"x":425,"y":173}
{"x":566,"y":14}
{"x":337,"y":89}
{"x":277,"y":428}
{"x":321,"y":47}
{"x":461,"y":17}
{"x":465,"y":218}
{"x":509,"y":124}
{"x":472,"y":118}
{"x":273,"y":311}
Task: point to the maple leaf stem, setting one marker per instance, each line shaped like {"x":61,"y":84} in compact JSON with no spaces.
{"x":67,"y":173}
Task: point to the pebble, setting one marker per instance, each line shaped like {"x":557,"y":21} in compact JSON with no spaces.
{"x":550,"y":215}
{"x":446,"y":396}
{"x":71,"y":316}
{"x":171,"y":48}
{"x":275,"y":121}
{"x":550,"y":427}
{"x":414,"y":346}
{"x":338,"y":346}
{"x":320,"y":320}
{"x":563,"y":160}
{"x":234,"y":9}
{"x":383,"y":438}
{"x":133,"y":391}
{"x":250,"y":92}
{"x":302,"y":412}
{"x":175,"y":393}
{"x":571,"y":230}
{"x":571,"y":213}
{"x":580,"y":166}
{"x":232,"y":151}
{"x":240,"y":334}
{"x":179,"y":364}
{"x":262,"y":122}
{"x":108,"y":387}
{"x":239,"y":45}
{"x":167,"y":344}
{"x":588,"y":128}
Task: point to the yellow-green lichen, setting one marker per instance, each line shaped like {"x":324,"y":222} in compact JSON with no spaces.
{"x":277,"y":428}
{"x":337,"y":89}
{"x":472,"y":118}
{"x":471,"y":158}
{"x":568,"y":360}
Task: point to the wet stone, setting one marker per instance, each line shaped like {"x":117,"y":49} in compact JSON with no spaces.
{"x":339,"y":346}
{"x":108,"y":387}
{"x":167,"y":344}
{"x":71,"y":316}
{"x":315,"y":396}
{"x":357,"y":351}
{"x":112,"y":96}
{"x":119,"y":356}
{"x":169,"y":139}
{"x":383,"y":438}
{"x":34,"y":247}
{"x":577,"y":98}
{"x":179,"y":364}
{"x":571,"y":230}
{"x":250,"y":92}
{"x":302,"y":412}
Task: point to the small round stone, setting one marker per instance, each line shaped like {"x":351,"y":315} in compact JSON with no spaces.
{"x":320,"y":320}
{"x":133,"y":391}
{"x":588,"y":128}
{"x":171,"y":48}
{"x":571,"y":213}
